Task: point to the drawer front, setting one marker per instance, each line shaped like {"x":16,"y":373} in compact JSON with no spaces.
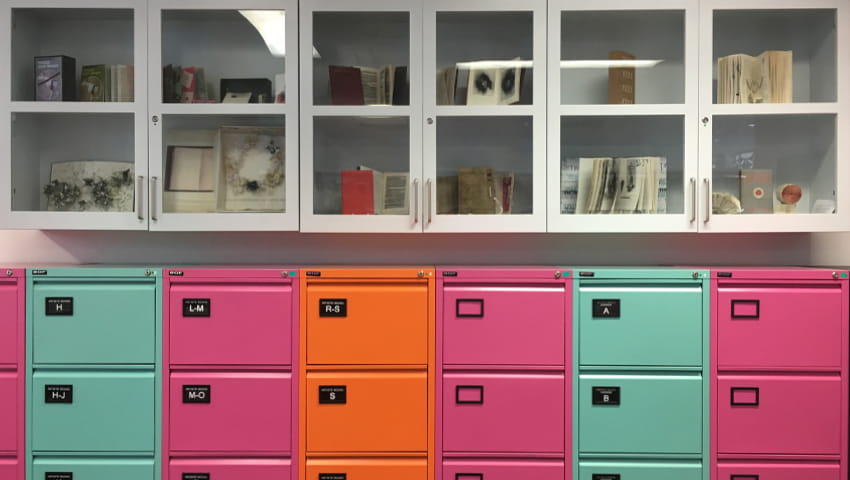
{"x":503,"y":413}
{"x":607,"y":470}
{"x":9,"y":469}
{"x":382,"y":412}
{"x":777,"y":471}
{"x":779,"y":414}
{"x":367,"y":324}
{"x":231,"y":412}
{"x":9,"y":324}
{"x":503,"y":470}
{"x":8,"y":412}
{"x":231,"y":324}
{"x":665,"y":318}
{"x":108,"y":412}
{"x":655,"y":414}
{"x":111,"y":323}
{"x":367,"y":469}
{"x":503,"y":325}
{"x":94,"y":469}
{"x":779,"y":327}
{"x":230,"y":469}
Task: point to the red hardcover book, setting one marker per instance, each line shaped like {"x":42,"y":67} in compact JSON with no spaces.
{"x":358,"y":194}
{"x":346,"y":87}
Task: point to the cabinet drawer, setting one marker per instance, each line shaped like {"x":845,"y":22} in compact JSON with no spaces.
{"x":9,"y":324}
{"x":779,"y":414}
{"x":608,"y":470}
{"x":641,"y":324}
{"x":779,"y":327}
{"x":231,"y":412}
{"x":8,"y":412}
{"x":503,"y":470}
{"x":368,"y":469}
{"x":9,"y":469}
{"x":377,"y":412}
{"x":777,"y":471}
{"x":503,"y":325}
{"x":645,"y":414}
{"x":231,"y":324}
{"x":108,"y":412}
{"x":376,"y":323}
{"x":503,"y":413}
{"x":231,"y":469}
{"x":110,"y":323}
{"x":94,"y":469}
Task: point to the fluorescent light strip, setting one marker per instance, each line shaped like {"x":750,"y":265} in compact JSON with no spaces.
{"x":483,"y":64}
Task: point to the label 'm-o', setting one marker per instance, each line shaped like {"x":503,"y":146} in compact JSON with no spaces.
{"x":196,"y":394}
{"x":58,"y":306}
{"x":196,"y":307}
{"x":333,"y":307}
{"x":58,"y":394}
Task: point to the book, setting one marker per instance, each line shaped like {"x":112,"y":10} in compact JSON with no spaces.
{"x":447,"y":202}
{"x":766,"y":78}
{"x":190,"y":169}
{"x":756,"y":190}
{"x":395,"y":194}
{"x":187,"y":85}
{"x":358,"y":195}
{"x":614,"y":185}
{"x":346,"y":86}
{"x":55,"y":78}
{"x":92,"y":79}
{"x":171,"y":76}
{"x":476,"y":191}
{"x":446,"y":85}
{"x":493,"y":86}
{"x":401,"y":87}
{"x":621,"y":80}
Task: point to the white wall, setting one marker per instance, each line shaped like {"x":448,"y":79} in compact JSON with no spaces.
{"x":298,"y":248}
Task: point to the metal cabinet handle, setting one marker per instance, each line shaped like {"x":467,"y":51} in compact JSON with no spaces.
{"x":479,"y":389}
{"x":707,"y":199}
{"x":140,"y":197}
{"x":429,"y":187}
{"x":415,"y":201}
{"x":693,"y":199}
{"x":737,"y":403}
{"x":154,"y":213}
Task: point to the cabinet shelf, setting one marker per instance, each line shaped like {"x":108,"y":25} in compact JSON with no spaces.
{"x":621,"y":110}
{"x":360,"y":111}
{"x":75,"y":107}
{"x":224,"y":109}
{"x":486,"y":111}
{"x":776,"y":109}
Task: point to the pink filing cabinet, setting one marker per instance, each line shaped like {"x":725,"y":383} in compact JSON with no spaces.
{"x":504,"y":405}
{"x":231,"y":401}
{"x":779,"y":373}
{"x":12,"y":363}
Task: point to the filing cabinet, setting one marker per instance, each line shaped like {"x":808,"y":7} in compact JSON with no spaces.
{"x":504,"y":357}
{"x":779,"y":373}
{"x":231,"y":399}
{"x":94,"y":373}
{"x":367,"y":376}
{"x":642,"y":378}
{"x":12,"y":373}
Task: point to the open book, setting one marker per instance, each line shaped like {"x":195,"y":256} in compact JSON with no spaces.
{"x":627,"y":185}
{"x":766,"y":78}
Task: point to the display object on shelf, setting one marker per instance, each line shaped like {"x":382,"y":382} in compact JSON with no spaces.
{"x":621,"y":80}
{"x":253,"y":169}
{"x":724,"y":203}
{"x":256,"y":90}
{"x":493,"y":85}
{"x":185,"y":85}
{"x":55,"y":78}
{"x":483,"y":191}
{"x":618,"y":185}
{"x":756,"y":186}
{"x":107,"y":83}
{"x":361,"y":85}
{"x":90,"y":186}
{"x":366,"y":191}
{"x":788,"y":196}
{"x":766,"y":78}
{"x":191,"y":171}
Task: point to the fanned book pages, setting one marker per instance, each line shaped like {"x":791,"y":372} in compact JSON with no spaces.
{"x":766,"y":78}
{"x":622,"y":185}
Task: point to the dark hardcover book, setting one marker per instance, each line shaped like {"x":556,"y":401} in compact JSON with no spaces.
{"x":55,"y":79}
{"x":346,"y":87}
{"x":401,"y":88}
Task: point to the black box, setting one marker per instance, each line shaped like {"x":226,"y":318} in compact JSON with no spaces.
{"x":55,"y":79}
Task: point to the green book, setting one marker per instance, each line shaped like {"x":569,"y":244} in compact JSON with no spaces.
{"x":93,"y":83}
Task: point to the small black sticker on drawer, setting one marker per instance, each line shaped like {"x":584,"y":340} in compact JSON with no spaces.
{"x":58,"y":476}
{"x":59,"y":306}
{"x":333,"y":476}
{"x":333,"y":307}
{"x":606,"y":395}
{"x":196,"y":476}
{"x":606,"y":308}
{"x":332,"y":394}
{"x":196,"y":307}
{"x":58,"y":394}
{"x":196,"y":394}
{"x":606,"y":476}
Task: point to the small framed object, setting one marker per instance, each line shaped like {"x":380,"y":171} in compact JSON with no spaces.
{"x":90,"y":186}
{"x":55,"y":79}
{"x":253,"y":169}
{"x":191,"y":171}
{"x":236,"y":90}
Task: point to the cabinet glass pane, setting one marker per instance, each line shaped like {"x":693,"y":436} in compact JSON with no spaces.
{"x":484,"y":165}
{"x":774,"y":164}
{"x":217,"y":163}
{"x":622,"y":57}
{"x":73,"y":162}
{"x":485,"y":58}
{"x":623,"y":165}
{"x":100,"y":39}
{"x":361,"y":58}
{"x":228,"y":56}
{"x":361,"y":165}
{"x":805,"y":72}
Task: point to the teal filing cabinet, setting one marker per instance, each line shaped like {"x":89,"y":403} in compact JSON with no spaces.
{"x":94,"y":373}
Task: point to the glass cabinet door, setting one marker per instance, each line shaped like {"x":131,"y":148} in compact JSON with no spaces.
{"x":224,"y":115}
{"x":361,"y":145}
{"x":773,"y":109}
{"x":622,"y":116}
{"x":73,"y":146}
{"x":485,"y":114}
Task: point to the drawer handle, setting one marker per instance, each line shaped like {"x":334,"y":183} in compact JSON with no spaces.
{"x":467,"y":401}
{"x":478,"y":308}
{"x":744,"y":403}
{"x":746,"y":305}
{"x":743,"y":477}
{"x":469,"y":476}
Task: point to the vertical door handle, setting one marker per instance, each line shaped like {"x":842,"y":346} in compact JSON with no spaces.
{"x":415,"y":201}
{"x":693,"y":199}
{"x":140,"y":185}
{"x":707,"y":183}
{"x":429,"y":185}
{"x":154,"y":213}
